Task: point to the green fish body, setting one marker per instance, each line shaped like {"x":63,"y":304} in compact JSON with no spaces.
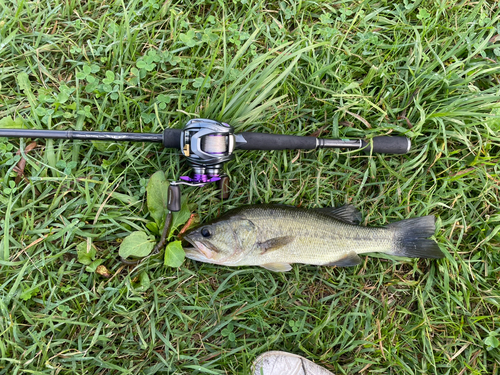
{"x":274,"y":237}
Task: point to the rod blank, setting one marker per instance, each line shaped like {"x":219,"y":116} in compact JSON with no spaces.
{"x":82,"y":135}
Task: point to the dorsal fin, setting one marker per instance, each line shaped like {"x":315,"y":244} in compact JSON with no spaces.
{"x":347,"y":213}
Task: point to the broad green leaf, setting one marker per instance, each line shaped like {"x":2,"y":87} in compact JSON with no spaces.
{"x":86,"y":252}
{"x":137,"y":244}
{"x":174,"y":254}
{"x":9,"y":123}
{"x":492,"y":342}
{"x":25,"y":85}
{"x":153,"y":228}
{"x":179,"y":218}
{"x":157,"y":197}
{"x":143,"y":284}
{"x":125,"y":198}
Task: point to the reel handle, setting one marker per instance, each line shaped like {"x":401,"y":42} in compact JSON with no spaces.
{"x":174,"y":191}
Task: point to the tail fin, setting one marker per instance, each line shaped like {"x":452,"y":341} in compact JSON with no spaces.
{"x":411,"y":238}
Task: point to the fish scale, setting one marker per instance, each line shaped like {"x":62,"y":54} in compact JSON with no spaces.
{"x":275,"y":236}
{"x":320,"y":239}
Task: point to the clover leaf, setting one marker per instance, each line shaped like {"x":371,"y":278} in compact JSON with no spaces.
{"x":228,"y":332}
{"x":189,"y":38}
{"x":163,"y":100}
{"x":201,"y":81}
{"x":110,"y":77}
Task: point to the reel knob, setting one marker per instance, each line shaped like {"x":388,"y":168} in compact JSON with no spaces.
{"x":174,"y":197}
{"x":223,"y":185}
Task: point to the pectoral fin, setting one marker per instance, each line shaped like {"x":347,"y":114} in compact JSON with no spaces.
{"x":277,"y":267}
{"x":351,"y":259}
{"x":275,"y":243}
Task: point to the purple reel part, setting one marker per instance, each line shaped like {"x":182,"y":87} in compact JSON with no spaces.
{"x":174,"y":189}
{"x":200,"y":179}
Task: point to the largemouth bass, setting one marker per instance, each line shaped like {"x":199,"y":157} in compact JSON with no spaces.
{"x":274,"y":237}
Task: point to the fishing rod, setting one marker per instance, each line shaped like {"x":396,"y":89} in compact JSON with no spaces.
{"x":208,"y":144}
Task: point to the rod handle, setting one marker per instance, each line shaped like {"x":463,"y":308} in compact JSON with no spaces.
{"x":387,"y":145}
{"x":265,"y":142}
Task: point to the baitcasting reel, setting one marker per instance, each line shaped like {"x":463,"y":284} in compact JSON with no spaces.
{"x":208,"y":144}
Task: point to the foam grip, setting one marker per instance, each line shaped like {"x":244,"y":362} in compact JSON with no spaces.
{"x":387,"y":145}
{"x":262,"y":141}
{"x":174,"y":198}
{"x":172,"y":138}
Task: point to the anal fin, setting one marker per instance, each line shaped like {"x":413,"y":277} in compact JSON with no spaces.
{"x":277,"y":267}
{"x":349,"y":260}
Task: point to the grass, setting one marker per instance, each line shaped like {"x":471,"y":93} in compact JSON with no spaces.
{"x":426,"y":69}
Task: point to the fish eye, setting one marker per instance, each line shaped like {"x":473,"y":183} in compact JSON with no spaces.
{"x":205,"y":232}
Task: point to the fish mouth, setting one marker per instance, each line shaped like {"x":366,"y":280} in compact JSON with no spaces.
{"x":199,"y":251}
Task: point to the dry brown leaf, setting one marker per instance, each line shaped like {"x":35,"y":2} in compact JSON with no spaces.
{"x":103,"y":271}
{"x":193,"y":220}
{"x":21,"y":164}
{"x":360,"y":119}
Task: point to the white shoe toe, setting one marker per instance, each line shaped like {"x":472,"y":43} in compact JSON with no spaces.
{"x":283,"y":363}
